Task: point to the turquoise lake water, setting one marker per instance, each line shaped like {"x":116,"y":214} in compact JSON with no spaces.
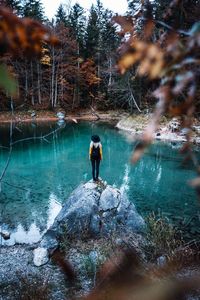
{"x":43,"y":172}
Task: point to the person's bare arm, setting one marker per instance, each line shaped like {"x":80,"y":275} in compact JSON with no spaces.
{"x":101,"y":152}
{"x":90,"y":150}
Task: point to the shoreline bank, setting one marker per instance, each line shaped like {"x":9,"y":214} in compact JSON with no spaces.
{"x":45,"y":116}
{"x":168,"y":130}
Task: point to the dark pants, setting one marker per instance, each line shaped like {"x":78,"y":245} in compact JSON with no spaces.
{"x":95,"y":168}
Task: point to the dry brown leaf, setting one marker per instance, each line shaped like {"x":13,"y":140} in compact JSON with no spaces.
{"x":23,"y":35}
{"x":139,"y":151}
{"x":149,"y":27}
{"x":126,"y":24}
{"x":152,"y":64}
{"x":128,"y":61}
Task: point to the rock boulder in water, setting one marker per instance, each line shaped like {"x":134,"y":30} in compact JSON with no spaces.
{"x":61,"y":115}
{"x":94,"y":210}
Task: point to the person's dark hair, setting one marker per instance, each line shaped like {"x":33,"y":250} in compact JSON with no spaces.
{"x":95,"y":138}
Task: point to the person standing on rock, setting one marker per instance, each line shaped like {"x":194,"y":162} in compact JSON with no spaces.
{"x":95,"y":155}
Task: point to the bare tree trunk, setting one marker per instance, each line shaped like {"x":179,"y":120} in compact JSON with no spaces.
{"x":11,"y":105}
{"x":32,"y":83}
{"x":62,"y":84}
{"x":74,"y":98}
{"x":26,"y":80}
{"x":53,"y":77}
{"x":110,"y":71}
{"x":98,"y":67}
{"x":78,"y":76}
{"x":94,"y":113}
{"x":132,"y":98}
{"x":56,"y":88}
{"x":39,"y":84}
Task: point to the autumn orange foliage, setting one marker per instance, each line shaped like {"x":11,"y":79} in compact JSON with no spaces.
{"x":22,"y":36}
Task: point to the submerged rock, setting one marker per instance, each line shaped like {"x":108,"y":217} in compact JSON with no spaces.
{"x":61,"y":115}
{"x":94,"y":210}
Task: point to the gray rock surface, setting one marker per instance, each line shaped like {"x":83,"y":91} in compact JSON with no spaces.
{"x":40,"y":256}
{"x":18,"y":273}
{"x":94,"y":210}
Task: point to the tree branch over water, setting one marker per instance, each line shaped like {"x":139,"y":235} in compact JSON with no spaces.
{"x":17,"y":187}
{"x":9,"y":154}
{"x":37,"y":137}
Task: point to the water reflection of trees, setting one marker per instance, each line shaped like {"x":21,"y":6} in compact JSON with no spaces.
{"x":29,"y":216}
{"x":24,"y":209}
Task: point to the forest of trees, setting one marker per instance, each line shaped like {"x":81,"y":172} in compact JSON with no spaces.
{"x":81,"y":71}
{"x":99,"y":60}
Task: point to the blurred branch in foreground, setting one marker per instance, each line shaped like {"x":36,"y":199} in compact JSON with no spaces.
{"x":129,"y":278}
{"x":168,"y":57}
{"x":20,"y":37}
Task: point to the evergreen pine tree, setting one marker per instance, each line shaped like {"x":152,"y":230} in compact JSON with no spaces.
{"x":110,"y":39}
{"x":100,"y":33}
{"x":34,"y":9}
{"x":92,"y":34}
{"x":61,"y":16}
{"x":77,"y":22}
{"x":133,"y":6}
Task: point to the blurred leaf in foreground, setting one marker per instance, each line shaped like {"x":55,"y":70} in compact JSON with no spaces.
{"x":20,"y":37}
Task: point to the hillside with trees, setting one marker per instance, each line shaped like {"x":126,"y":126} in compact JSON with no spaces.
{"x":81,"y":71}
{"x":74,"y":74}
